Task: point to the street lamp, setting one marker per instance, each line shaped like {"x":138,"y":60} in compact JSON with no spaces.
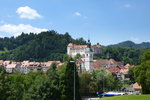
{"x":74,"y":78}
{"x":103,"y":86}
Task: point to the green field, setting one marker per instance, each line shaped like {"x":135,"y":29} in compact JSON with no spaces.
{"x":128,"y":97}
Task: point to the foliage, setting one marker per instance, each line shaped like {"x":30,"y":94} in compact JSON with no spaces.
{"x":78,"y":56}
{"x":142,"y":72}
{"x":36,"y":47}
{"x":65,"y":57}
{"x":98,"y":81}
{"x":88,"y":85}
{"x":68,"y":88}
{"x":4,"y":87}
{"x":105,"y":80}
{"x":55,"y":84}
{"x":143,"y":45}
{"x":51,"y":45}
{"x":127,"y":55}
{"x":131,"y":74}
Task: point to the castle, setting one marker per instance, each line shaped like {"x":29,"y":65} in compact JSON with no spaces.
{"x":86,"y":52}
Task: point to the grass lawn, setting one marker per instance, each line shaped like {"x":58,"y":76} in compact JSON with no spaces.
{"x":128,"y":97}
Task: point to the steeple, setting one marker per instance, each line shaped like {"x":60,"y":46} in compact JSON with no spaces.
{"x":89,"y":57}
{"x":89,"y":44}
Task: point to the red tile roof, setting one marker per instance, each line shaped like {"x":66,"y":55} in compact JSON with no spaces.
{"x":81,"y":46}
{"x":136,"y":86}
{"x":108,"y":63}
{"x":114,"y":70}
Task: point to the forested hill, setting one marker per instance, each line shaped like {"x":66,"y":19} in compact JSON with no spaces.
{"x":44,"y":46}
{"x":143,"y":45}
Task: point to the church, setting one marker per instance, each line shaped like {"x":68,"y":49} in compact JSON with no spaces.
{"x":86,"y":51}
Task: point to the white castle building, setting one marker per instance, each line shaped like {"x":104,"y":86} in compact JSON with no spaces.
{"x":86,"y":52}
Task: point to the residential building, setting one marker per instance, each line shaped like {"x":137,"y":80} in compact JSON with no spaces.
{"x":27,"y":66}
{"x":107,"y":63}
{"x":11,"y":67}
{"x":137,"y":88}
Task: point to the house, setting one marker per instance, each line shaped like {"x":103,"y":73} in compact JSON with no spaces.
{"x":115,"y":71}
{"x":5,"y":63}
{"x":46,"y":65}
{"x":137,"y":88}
{"x":124,"y":72}
{"x":27,"y":66}
{"x":117,"y":68}
{"x":1,"y":62}
{"x":11,"y":67}
{"x":107,"y":63}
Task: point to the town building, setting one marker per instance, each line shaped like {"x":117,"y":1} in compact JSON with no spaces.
{"x":86,"y":51}
{"x":107,"y":63}
{"x":10,"y":68}
{"x":73,"y":49}
{"x":117,"y":68}
{"x":27,"y":66}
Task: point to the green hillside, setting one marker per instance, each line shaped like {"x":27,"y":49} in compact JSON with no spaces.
{"x":51,"y":45}
{"x":143,"y":45}
{"x":128,"y":97}
{"x":44,"y":46}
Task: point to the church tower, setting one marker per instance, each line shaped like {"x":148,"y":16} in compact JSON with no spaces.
{"x":89,"y":57}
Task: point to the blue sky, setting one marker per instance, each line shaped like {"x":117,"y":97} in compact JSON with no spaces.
{"x":103,"y":21}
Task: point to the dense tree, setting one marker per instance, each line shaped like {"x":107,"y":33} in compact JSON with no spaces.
{"x":68,"y":89}
{"x":131,"y":74}
{"x":16,"y":87}
{"x":78,"y":56}
{"x":45,"y":86}
{"x":126,"y":55}
{"x":54,"y":83}
{"x":105,"y":81}
{"x":65,"y":57}
{"x":87,"y":84}
{"x":36,"y":47}
{"x":142,"y":72}
{"x":143,"y":45}
{"x":4,"y":86}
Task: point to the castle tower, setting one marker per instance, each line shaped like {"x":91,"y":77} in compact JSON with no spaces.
{"x":89,"y":57}
{"x":69,"y":47}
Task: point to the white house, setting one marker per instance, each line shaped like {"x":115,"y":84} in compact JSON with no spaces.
{"x":86,"y":52}
{"x":11,"y":67}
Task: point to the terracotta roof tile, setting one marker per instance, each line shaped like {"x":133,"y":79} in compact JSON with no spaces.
{"x":114,"y":69}
{"x":11,"y":65}
{"x":136,"y":86}
{"x":81,"y":46}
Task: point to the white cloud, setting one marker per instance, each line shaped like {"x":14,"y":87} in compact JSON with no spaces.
{"x":134,"y":38}
{"x":77,"y":14}
{"x":28,"y":13}
{"x":16,"y":30}
{"x":127,"y":5}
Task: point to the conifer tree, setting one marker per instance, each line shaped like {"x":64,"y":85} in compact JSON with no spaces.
{"x":68,"y":89}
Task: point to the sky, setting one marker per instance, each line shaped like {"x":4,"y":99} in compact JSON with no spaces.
{"x":102,"y":21}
